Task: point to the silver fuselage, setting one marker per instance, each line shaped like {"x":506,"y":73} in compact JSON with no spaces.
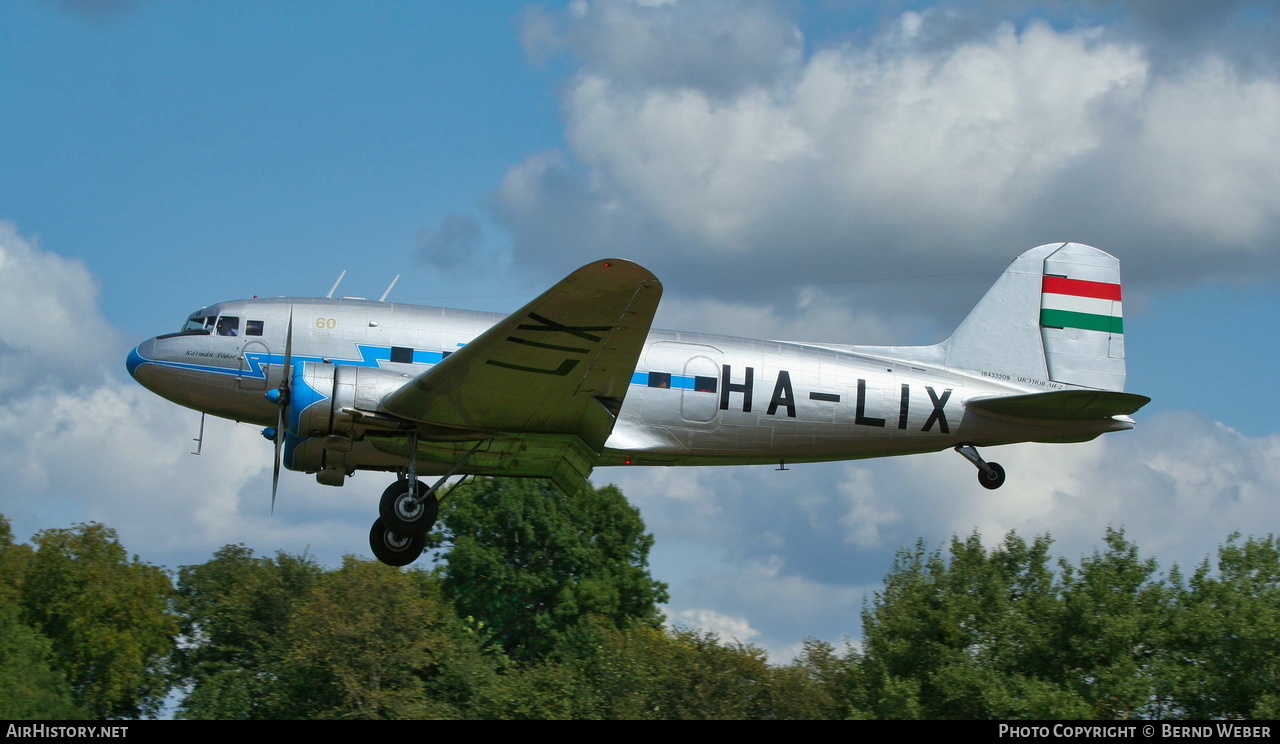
{"x":694,"y":399}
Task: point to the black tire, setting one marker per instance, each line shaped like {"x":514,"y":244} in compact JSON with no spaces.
{"x":397,"y":513}
{"x":994,"y":479}
{"x":394,"y":549}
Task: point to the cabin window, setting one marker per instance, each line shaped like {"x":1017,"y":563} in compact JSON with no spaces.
{"x":660,"y":380}
{"x":705,"y":384}
{"x":253,"y":328}
{"x":228,"y":325}
{"x":402,"y":354}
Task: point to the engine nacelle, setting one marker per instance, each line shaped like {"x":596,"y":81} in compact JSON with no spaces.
{"x":323,"y":395}
{"x":321,"y":426}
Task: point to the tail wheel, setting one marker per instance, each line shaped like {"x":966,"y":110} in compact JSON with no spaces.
{"x":993,"y":479}
{"x":393,"y":548}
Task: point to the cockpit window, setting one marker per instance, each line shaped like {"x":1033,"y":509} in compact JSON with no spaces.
{"x":253,"y":328}
{"x":228,"y":325}
{"x":198,"y":324}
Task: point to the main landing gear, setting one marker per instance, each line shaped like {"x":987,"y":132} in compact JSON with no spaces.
{"x":407,"y":512}
{"x":393,"y":548}
{"x":409,"y":508}
{"x":990,"y":474}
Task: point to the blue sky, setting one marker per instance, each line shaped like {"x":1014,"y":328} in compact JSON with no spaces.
{"x":799,"y":170}
{"x":257,"y":142}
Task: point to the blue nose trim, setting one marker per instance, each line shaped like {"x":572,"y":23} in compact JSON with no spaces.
{"x":291,"y":442}
{"x":301,"y":397}
{"x":133,"y":361}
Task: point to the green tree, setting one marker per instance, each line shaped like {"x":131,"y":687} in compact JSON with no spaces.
{"x":235,"y":609}
{"x":695,"y":676}
{"x":107,"y":616}
{"x":838,"y":675}
{"x":642,"y":673}
{"x":532,"y":562}
{"x":285,"y":638}
{"x":969,"y":637}
{"x":30,"y":686}
{"x":374,"y":642}
{"x":999,"y":634}
{"x":1114,"y":629}
{"x":14,"y":559}
{"x":1225,"y":647}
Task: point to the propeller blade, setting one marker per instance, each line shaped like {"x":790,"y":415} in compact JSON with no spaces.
{"x":288,"y":351}
{"x":283,"y":403}
{"x":275,"y":474}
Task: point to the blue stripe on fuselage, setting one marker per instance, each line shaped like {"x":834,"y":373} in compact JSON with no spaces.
{"x":678,"y":382}
{"x":370,"y":356}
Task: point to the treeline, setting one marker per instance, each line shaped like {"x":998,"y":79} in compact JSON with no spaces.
{"x":542,"y":606}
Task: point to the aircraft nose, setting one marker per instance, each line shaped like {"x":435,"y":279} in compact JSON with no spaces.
{"x":137,"y":360}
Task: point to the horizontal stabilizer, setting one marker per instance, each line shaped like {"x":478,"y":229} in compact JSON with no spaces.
{"x":1062,"y":405}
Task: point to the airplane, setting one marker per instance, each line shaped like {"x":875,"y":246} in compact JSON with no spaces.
{"x":576,"y":379}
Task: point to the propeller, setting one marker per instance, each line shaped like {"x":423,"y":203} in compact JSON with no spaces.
{"x":280,"y":396}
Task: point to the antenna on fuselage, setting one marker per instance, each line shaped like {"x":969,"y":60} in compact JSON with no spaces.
{"x":334,"y":288}
{"x":383,"y":298}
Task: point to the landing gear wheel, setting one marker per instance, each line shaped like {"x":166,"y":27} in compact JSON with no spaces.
{"x":994,"y":479}
{"x":394,"y":549}
{"x":405,"y":515}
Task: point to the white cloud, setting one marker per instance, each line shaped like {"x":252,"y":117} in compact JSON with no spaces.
{"x":683,"y":503}
{"x":900,"y":156}
{"x":864,"y":517}
{"x":1179,"y":485}
{"x":1207,"y":148}
{"x":779,"y":605}
{"x":717,"y":46}
{"x":78,"y":442}
{"x":709,"y":621}
{"x":52,"y":333}
{"x":815,"y":315}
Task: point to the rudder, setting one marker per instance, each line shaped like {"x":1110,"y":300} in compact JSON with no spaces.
{"x":1081,"y":318}
{"x":1055,"y":314}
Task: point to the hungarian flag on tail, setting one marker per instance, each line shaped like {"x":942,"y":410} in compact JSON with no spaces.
{"x":1075,"y":303}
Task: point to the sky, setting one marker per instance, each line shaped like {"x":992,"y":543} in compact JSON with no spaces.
{"x":831,"y":171}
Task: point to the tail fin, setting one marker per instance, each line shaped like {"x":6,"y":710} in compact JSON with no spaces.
{"x":1055,"y":314}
